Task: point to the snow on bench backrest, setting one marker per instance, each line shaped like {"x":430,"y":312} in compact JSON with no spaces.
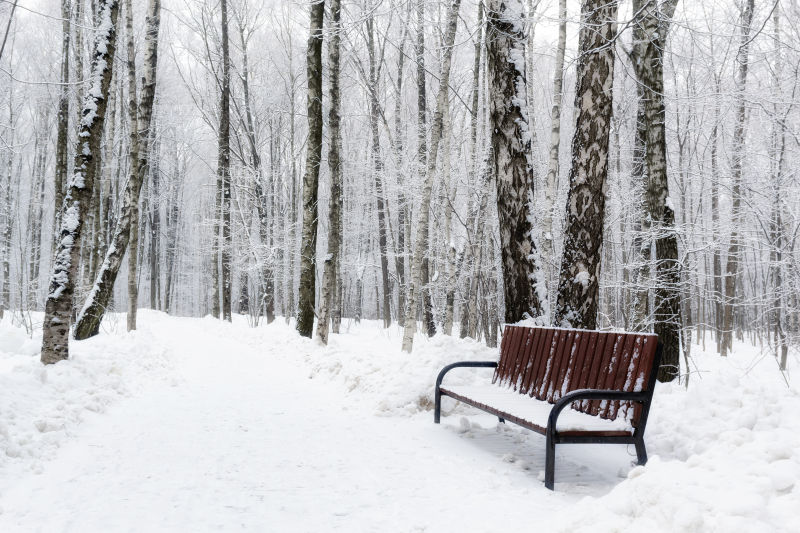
{"x":547,"y":363}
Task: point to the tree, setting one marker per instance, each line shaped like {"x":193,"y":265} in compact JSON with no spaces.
{"x":418,"y":263}
{"x":308,"y":246}
{"x":126,"y":230}
{"x":733,"y":266}
{"x":650,"y":32}
{"x":58,"y":308}
{"x":525,"y":290}
{"x":577,"y":299}
{"x":224,"y":166}
{"x":331,"y":270}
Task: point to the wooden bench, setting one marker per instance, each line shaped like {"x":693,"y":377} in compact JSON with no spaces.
{"x":606,"y":377}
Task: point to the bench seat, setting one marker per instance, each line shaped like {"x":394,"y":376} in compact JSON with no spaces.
{"x":531,"y":413}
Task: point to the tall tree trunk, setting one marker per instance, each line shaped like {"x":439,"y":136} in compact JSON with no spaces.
{"x":331,"y":269}
{"x":422,"y":158}
{"x":224,"y":167}
{"x":578,"y":288}
{"x":650,"y":37}
{"x":126,"y":232}
{"x":308,"y":247}
{"x":58,"y":309}
{"x":62,"y":139}
{"x":548,"y":249}
{"x":402,"y":205}
{"x":525,"y":291}
{"x":377,"y":161}
{"x":733,"y":266}
{"x":419,"y":265}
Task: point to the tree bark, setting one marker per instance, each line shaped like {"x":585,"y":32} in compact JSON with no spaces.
{"x":331,"y":270}
{"x":733,"y":267}
{"x":308,"y":247}
{"x":578,"y":289}
{"x":524,"y":288}
{"x":125,"y":237}
{"x":58,"y":309}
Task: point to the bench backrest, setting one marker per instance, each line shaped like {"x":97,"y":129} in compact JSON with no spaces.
{"x":547,"y":363}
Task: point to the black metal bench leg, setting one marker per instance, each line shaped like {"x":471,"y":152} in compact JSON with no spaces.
{"x":641,"y":452}
{"x":550,"y":463}
{"x":437,"y":406}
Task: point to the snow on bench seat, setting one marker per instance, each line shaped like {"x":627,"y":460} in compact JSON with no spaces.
{"x":512,"y":404}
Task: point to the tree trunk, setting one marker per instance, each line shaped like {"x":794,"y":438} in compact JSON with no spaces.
{"x":650,"y":37}
{"x":578,"y":289}
{"x":308,"y":247}
{"x":62,"y":139}
{"x":419,"y":263}
{"x":548,"y":249}
{"x":224,"y":167}
{"x":733,"y":266}
{"x":331,"y":272}
{"x":525,"y":291}
{"x":58,"y":309}
{"x":126,"y":234}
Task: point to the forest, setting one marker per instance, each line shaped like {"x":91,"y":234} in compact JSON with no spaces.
{"x":416,"y":174}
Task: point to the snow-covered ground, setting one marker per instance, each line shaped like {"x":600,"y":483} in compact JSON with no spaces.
{"x":197,"y":425}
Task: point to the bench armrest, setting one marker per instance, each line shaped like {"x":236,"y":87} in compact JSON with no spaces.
{"x":592,"y":394}
{"x":463,"y":364}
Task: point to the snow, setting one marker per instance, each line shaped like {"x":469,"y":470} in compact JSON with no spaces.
{"x":196,"y":425}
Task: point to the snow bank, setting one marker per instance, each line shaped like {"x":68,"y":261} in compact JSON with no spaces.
{"x":41,"y":406}
{"x":370,"y":365}
{"x":725,"y":455}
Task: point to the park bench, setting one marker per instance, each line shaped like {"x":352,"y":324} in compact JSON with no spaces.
{"x":607,"y":378}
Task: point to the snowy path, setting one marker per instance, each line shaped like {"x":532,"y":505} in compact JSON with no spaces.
{"x":244,"y":439}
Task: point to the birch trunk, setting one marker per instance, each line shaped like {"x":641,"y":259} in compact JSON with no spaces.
{"x":524,"y":289}
{"x":650,"y":37}
{"x":125,"y":237}
{"x":62,"y":139}
{"x":224,"y":169}
{"x":548,"y":249}
{"x":419,"y":264}
{"x":58,"y":308}
{"x":577,"y":299}
{"x":331,"y":271}
{"x":308,"y":247}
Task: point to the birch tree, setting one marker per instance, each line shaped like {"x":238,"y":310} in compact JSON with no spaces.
{"x":577,"y":299}
{"x":331,"y":266}
{"x":308,"y":246}
{"x":58,"y":308}
{"x":524,"y":287}
{"x":417,"y":281}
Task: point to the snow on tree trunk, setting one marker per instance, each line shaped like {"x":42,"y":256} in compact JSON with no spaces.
{"x":308,"y":246}
{"x":525,"y":291}
{"x":58,"y":308}
{"x":418,"y":263}
{"x":331,"y":271}
{"x":577,"y":299}
{"x":61,"y":163}
{"x":126,"y":232}
{"x":733,"y":266}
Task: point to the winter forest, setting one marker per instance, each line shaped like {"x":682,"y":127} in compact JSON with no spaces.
{"x":406,"y":176}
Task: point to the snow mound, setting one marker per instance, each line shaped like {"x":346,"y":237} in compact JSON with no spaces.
{"x":41,"y":406}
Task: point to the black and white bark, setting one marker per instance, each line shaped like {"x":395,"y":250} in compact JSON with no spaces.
{"x":308,"y":244}
{"x":224,"y":167}
{"x":578,"y":289}
{"x":524,"y":286}
{"x":58,"y":308}
{"x":651,"y":28}
{"x":331,"y":273}
{"x":125,"y":237}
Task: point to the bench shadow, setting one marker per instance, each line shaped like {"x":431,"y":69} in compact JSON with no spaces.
{"x":581,"y":469}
